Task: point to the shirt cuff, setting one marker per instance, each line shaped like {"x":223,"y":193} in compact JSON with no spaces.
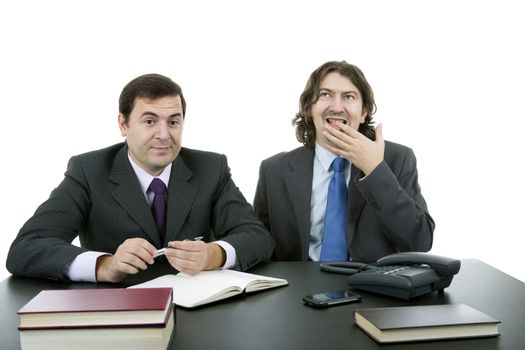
{"x":231,"y":255}
{"x":82,"y":269}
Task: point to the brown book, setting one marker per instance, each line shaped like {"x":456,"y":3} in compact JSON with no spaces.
{"x":98,"y":318}
{"x":424,"y":323}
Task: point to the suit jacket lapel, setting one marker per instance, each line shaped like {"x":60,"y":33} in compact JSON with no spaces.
{"x":299,"y":183}
{"x":129,"y":196}
{"x":181,"y":194}
{"x":356,"y":203}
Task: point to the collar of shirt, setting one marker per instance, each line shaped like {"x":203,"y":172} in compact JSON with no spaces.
{"x":145,"y":178}
{"x":325,"y":157}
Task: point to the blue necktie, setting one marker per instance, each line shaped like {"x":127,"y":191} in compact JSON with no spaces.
{"x":158,"y":207}
{"x":334,"y":246}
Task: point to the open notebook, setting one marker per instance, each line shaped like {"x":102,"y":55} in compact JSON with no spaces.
{"x":209,"y":286}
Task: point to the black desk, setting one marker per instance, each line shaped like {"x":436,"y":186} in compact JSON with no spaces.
{"x":277,"y":319}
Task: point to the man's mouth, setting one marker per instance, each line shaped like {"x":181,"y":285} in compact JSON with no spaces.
{"x":336,"y":121}
{"x":161,"y":148}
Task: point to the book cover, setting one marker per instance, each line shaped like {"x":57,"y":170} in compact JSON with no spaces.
{"x":112,"y":337}
{"x":428,"y":322}
{"x":210,"y":286}
{"x":96,"y":307}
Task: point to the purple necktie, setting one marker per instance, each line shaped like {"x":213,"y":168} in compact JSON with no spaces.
{"x":158,"y":207}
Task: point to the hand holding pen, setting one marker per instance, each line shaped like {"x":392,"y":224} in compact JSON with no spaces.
{"x":194,"y":255}
{"x":162,"y":251}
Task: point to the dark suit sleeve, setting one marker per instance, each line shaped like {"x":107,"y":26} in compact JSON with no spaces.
{"x":393,"y":191}
{"x":42,"y":247}
{"x":260,"y":202}
{"x":234,"y":222}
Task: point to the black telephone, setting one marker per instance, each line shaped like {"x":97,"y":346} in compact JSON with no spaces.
{"x":401,"y":275}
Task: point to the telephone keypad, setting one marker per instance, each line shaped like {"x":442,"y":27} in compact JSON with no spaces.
{"x":387,"y":270}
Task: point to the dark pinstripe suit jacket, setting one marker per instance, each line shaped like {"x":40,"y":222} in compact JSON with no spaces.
{"x":101,"y":201}
{"x":386,"y":211}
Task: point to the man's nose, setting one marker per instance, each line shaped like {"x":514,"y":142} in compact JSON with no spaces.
{"x":337,"y":104}
{"x":162,"y":130}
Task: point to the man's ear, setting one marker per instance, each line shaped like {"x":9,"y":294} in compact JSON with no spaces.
{"x":122,"y":124}
{"x":363,"y":117}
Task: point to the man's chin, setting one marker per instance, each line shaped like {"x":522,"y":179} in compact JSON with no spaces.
{"x":322,"y":142}
{"x":161,"y":161}
{"x":157,"y":168}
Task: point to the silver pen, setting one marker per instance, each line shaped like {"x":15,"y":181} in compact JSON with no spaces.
{"x":162,"y":251}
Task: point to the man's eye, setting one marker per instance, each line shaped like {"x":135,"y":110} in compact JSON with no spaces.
{"x":324,"y":94}
{"x":350,"y":97}
{"x":174,"y":123}
{"x":149,"y":122}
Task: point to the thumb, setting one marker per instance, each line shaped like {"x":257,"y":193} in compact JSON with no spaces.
{"x":379,"y":133}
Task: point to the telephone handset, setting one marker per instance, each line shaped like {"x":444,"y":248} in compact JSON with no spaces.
{"x":401,"y":275}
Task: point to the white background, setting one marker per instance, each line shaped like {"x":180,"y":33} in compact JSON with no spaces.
{"x":448,"y":78}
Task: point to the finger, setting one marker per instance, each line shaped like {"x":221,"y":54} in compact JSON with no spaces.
{"x":130,"y":252}
{"x":188,"y":245}
{"x":141,"y":249}
{"x":147,"y":255}
{"x":344,"y":129}
{"x":132,"y":260}
{"x":121,"y":268}
{"x":147,"y":246}
{"x":338,"y":140}
{"x":379,"y":132}
{"x":186,"y":250}
{"x":127,"y":268}
{"x":184,"y":266}
{"x":187,"y":255}
{"x":116,"y":269}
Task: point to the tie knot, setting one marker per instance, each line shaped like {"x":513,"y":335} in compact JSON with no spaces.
{"x":157,"y":186}
{"x":339,"y":164}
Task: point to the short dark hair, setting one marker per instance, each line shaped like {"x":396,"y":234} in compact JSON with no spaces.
{"x":150,"y":86}
{"x":303,"y":120}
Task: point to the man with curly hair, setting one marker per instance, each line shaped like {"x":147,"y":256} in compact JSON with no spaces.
{"x":383,"y":209}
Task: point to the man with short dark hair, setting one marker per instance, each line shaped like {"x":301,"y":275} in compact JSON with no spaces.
{"x":130,"y":199}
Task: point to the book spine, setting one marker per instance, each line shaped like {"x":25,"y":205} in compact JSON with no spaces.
{"x":91,"y":326}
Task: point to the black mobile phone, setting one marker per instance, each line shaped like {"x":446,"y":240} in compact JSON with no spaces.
{"x":336,"y":297}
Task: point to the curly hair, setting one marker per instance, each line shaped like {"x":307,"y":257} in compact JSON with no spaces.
{"x":303,"y":120}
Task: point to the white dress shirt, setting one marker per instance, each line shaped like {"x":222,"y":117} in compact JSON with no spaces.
{"x":321,"y":179}
{"x":83,"y":267}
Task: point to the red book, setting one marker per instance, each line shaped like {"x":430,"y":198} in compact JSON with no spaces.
{"x":74,"y":308}
{"x":98,"y":318}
